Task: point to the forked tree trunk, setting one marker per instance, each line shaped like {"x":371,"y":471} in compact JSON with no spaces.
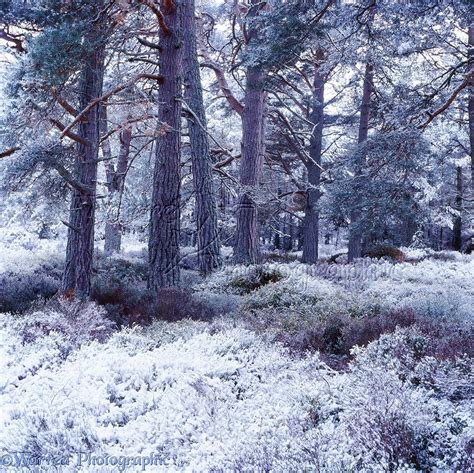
{"x":311,"y":216}
{"x":206,"y":208}
{"x":163,"y":246}
{"x":355,"y":231}
{"x":246,"y":247}
{"x":80,"y":245}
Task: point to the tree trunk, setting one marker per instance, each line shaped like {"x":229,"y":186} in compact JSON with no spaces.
{"x":80,"y":245}
{"x":246,"y":247}
{"x":311,"y":216}
{"x":471,"y":101}
{"x":457,"y":228}
{"x":355,"y":232}
{"x":163,"y":246}
{"x":116,"y":184}
{"x":206,"y":209}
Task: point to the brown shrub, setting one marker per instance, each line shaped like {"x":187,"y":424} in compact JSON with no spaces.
{"x":385,"y":251}
{"x":128,"y":305}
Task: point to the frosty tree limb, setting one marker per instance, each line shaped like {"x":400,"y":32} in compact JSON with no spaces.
{"x":107,"y":95}
{"x":452,"y":97}
{"x":9,"y":152}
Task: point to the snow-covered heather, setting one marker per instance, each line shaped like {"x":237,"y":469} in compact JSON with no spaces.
{"x":432,"y":286}
{"x":24,"y":252}
{"x":224,"y":395}
{"x":215,"y":398}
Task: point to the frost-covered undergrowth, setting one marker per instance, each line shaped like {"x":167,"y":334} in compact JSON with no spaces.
{"x":249,"y":391}
{"x":210,"y":397}
{"x":23,"y":252}
{"x":433,"y":287}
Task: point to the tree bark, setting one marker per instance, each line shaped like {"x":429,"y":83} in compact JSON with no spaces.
{"x":246,"y":247}
{"x":311,"y":217}
{"x":457,"y":227}
{"x":80,"y":245}
{"x":163,"y":246}
{"x":205,"y":201}
{"x":355,"y":232}
{"x":116,"y":184}
{"x":471,"y":97}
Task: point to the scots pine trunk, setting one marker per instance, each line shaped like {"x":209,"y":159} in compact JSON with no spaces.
{"x":116,"y":183}
{"x":206,"y":208}
{"x":355,"y":231}
{"x":163,"y":246}
{"x":311,"y":216}
{"x":457,"y":227}
{"x":246,"y":247}
{"x":471,"y":96}
{"x":80,"y":245}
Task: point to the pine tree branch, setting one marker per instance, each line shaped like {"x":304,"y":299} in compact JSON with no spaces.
{"x":452,"y":97}
{"x":9,"y":152}
{"x":18,"y":43}
{"x":151,"y":4}
{"x":71,"y":135}
{"x":64,"y":103}
{"x":107,"y":95}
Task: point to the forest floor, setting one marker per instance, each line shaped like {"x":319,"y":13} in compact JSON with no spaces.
{"x":281,"y":366}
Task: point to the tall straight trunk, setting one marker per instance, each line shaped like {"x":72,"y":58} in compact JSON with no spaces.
{"x":311,"y":216}
{"x":457,"y":228}
{"x":471,"y":96}
{"x":206,"y":208}
{"x":246,"y":242}
{"x":355,"y":232}
{"x":246,"y":246}
{"x":80,"y":245}
{"x":163,"y":246}
{"x":116,"y":183}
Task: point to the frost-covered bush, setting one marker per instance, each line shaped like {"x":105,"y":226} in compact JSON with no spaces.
{"x":45,"y":336}
{"x":396,"y":412}
{"x":19,"y":291}
{"x":255,"y":278}
{"x":128,"y":303}
{"x":214,"y":398}
{"x":24,"y":252}
{"x":78,"y":322}
{"x":386,"y":251}
{"x":123,"y":270}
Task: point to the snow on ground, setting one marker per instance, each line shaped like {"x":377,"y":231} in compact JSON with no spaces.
{"x":214,"y":396}
{"x":225,"y":399}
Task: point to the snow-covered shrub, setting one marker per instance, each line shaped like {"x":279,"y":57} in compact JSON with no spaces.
{"x":128,"y":303}
{"x":76,"y":321}
{"x":255,"y":278}
{"x":123,"y":270}
{"x":386,"y":251}
{"x":19,"y":291}
{"x":213,"y":398}
{"x":24,"y":252}
{"x":395,"y":416}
